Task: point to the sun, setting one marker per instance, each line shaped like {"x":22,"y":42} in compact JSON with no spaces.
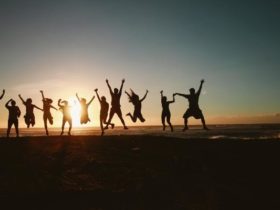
{"x":75,"y":111}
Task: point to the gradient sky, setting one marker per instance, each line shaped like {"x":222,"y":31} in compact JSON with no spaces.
{"x":64,"y":47}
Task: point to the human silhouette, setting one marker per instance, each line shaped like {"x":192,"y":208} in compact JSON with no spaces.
{"x":193,"y":110}
{"x":29,"y":116}
{"x":66,"y":111}
{"x":115,"y":104}
{"x":166,"y":114}
{"x":104,"y":107}
{"x":14,"y":114}
{"x":3,"y":93}
{"x":47,"y":116}
{"x":137,"y":103}
{"x":84,"y":119}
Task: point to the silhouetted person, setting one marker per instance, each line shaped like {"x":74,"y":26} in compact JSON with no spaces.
{"x":137,"y":103}
{"x":193,"y":110}
{"x":115,"y":104}
{"x":47,"y":116}
{"x":84,"y":119}
{"x":166,"y":114}
{"x":66,"y":111}
{"x":14,"y":114}
{"x":104,"y":107}
{"x":29,"y":116}
{"x":3,"y":93}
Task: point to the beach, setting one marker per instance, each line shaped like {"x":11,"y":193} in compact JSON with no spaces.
{"x":138,"y":172}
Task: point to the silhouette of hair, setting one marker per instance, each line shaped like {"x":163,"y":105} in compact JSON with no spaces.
{"x":103,"y":98}
{"x":13,"y":102}
{"x":133,"y":97}
{"x":116,"y":90}
{"x":192,"y":90}
{"x":29,"y":101}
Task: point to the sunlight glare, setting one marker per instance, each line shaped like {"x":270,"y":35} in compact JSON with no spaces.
{"x":75,"y":111}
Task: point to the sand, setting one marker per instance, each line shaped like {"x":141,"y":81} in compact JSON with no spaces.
{"x":138,"y":172}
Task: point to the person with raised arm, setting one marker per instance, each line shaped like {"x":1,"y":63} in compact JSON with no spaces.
{"x":47,"y":116}
{"x":66,"y":111}
{"x":137,"y":103}
{"x":84,"y":119}
{"x":14,"y":114}
{"x":193,"y":110}
{"x":29,"y":116}
{"x":104,"y":108}
{"x":166,"y":114}
{"x":115,"y":104}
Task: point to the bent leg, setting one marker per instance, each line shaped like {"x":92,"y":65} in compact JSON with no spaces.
{"x":119,"y":113}
{"x":169,"y":123}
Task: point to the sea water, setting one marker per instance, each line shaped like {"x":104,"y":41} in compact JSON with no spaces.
{"x":216,"y":132}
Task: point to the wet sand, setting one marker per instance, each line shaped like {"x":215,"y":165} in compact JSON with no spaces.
{"x":138,"y":172}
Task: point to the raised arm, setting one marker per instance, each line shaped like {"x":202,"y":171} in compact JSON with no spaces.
{"x":42,"y":93}
{"x":127,"y":94}
{"x":90,"y":100}
{"x":200,"y":87}
{"x":2,"y":94}
{"x":96,"y":91}
{"x":120,"y":92}
{"x":173,"y":99}
{"x":59,"y":104}
{"x":144,"y":96}
{"x":24,"y":102}
{"x":7,"y":104}
{"x":107,"y":82}
{"x":78,"y":97}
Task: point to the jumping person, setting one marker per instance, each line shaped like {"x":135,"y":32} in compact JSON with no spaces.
{"x":115,"y":104}
{"x":193,"y":110}
{"x":47,"y":116}
{"x":29,"y":117}
{"x":14,"y":114}
{"x":66,"y":111}
{"x":137,"y":103}
{"x":166,"y":111}
{"x":104,"y":107}
{"x":84,"y":119}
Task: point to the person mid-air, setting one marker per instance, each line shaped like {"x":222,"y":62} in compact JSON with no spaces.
{"x":66,"y":111}
{"x":193,"y":110}
{"x":29,"y":117}
{"x":84,"y":119}
{"x":47,"y":116}
{"x":14,"y":114}
{"x":104,"y":107}
{"x":115,"y":104}
{"x":137,"y":103}
{"x":166,"y":114}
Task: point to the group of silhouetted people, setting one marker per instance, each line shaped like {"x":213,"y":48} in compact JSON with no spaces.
{"x":105,"y":122}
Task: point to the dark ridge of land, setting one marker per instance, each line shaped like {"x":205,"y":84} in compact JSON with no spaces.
{"x":138,"y":172}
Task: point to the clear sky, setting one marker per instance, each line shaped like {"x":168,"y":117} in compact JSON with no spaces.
{"x":64,"y":47}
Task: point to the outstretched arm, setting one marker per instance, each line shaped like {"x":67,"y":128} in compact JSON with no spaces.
{"x":78,"y":97}
{"x":173,"y":99}
{"x":144,"y":96}
{"x":38,"y":108}
{"x":42,"y":93}
{"x":90,"y":100}
{"x":53,"y":107}
{"x":200,"y":87}
{"x":180,"y":94}
{"x":24,"y":102}
{"x":127,"y":94}
{"x":2,"y":94}
{"x":96,"y":91}
{"x":120,"y":92}
{"x":107,"y":82}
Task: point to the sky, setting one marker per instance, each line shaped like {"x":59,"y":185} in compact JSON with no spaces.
{"x":64,"y":47}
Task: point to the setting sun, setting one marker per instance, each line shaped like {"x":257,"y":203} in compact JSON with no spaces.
{"x":75,"y":111}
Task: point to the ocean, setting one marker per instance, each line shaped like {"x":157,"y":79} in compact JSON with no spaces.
{"x":216,"y":132}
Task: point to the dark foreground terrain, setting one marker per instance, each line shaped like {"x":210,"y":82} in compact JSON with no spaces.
{"x":138,"y":172}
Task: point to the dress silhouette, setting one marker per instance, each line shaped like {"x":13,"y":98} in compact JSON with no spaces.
{"x":166,"y":114}
{"x":104,"y":107}
{"x":29,"y":116}
{"x":47,"y":116}
{"x":66,"y":111}
{"x":137,"y":103}
{"x":84,"y":119}
{"x":115,"y":104}
{"x":193,"y":110}
{"x":14,"y":114}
